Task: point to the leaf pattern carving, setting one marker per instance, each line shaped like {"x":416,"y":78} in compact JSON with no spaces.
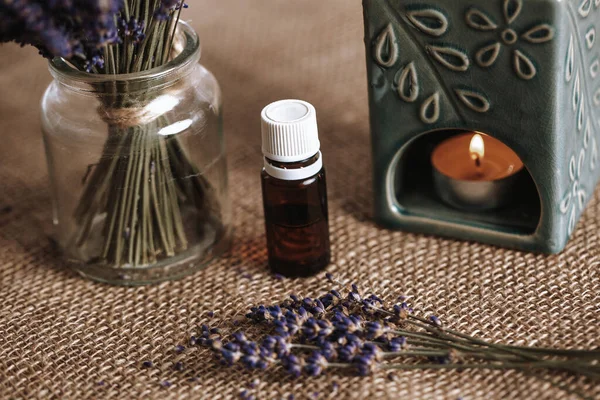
{"x":594,"y":158}
{"x":587,"y":135}
{"x":595,"y":68}
{"x":539,"y":34}
{"x":449,"y":57}
{"x":487,"y":56}
{"x":430,"y":109}
{"x":524,"y":67}
{"x":585,"y":8}
{"x":581,"y":116}
{"x":475,"y":101}
{"x":408,"y":83}
{"x":576,"y":92}
{"x":429,"y":21}
{"x":576,"y":196}
{"x":478,"y":20}
{"x":386,"y":47}
{"x":590,"y":37}
{"x":512,"y":9}
{"x":570,"y":68}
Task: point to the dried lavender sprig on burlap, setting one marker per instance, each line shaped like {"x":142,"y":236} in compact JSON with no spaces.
{"x":361,"y":333}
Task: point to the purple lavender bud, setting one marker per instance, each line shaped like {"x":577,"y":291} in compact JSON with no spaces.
{"x":315,"y":364}
{"x":269,"y":342}
{"x":215,"y":344}
{"x":240,"y":337}
{"x":292,"y":365}
{"x":397,"y":344}
{"x":232,"y":347}
{"x":319,"y":303}
{"x":275,"y":312}
{"x":327,"y":300}
{"x":166,"y":7}
{"x":230,"y":357}
{"x":353,"y":296}
{"x":375,"y":299}
{"x":328,"y":350}
{"x":435,"y":321}
{"x":147,"y":364}
{"x":245,"y":395}
{"x":329,"y":277}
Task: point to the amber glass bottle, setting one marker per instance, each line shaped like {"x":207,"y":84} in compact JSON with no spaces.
{"x":294,"y":190}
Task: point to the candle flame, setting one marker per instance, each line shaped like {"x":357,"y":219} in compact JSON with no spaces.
{"x":477,"y":148}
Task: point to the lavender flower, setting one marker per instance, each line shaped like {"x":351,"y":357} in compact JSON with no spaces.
{"x":313,"y":335}
{"x":132,"y":29}
{"x":82,"y":30}
{"x":60,"y":28}
{"x":166,"y":7}
{"x":316,"y":364}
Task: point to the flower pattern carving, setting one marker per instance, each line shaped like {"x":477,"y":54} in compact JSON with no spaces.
{"x":485,"y":57}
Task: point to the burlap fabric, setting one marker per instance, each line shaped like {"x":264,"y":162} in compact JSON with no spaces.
{"x":64,"y":337}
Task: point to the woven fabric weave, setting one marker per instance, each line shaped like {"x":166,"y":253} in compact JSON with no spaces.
{"x":68,"y":338}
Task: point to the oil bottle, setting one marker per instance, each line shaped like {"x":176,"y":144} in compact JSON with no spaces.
{"x":294,"y":190}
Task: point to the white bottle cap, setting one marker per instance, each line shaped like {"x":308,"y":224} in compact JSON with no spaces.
{"x":289,"y":131}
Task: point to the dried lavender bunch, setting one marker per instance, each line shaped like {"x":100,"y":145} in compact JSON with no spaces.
{"x":101,"y":36}
{"x":360,"y":333}
{"x":138,"y":220}
{"x":72,"y":29}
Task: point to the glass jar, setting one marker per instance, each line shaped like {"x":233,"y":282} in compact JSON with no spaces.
{"x":137,"y":168}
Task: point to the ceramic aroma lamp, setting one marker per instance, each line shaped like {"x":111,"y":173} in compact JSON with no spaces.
{"x":524,"y":73}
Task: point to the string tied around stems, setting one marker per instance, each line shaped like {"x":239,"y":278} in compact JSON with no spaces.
{"x":128,"y":117}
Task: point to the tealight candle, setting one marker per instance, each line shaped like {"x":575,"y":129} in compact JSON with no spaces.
{"x":474,"y":171}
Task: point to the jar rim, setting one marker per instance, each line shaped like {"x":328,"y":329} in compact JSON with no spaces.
{"x":189,"y":55}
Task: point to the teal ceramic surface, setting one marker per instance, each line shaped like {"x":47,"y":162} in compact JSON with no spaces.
{"x":523,"y":71}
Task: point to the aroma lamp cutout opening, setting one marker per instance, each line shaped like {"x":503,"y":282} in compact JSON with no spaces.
{"x":434,"y":181}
